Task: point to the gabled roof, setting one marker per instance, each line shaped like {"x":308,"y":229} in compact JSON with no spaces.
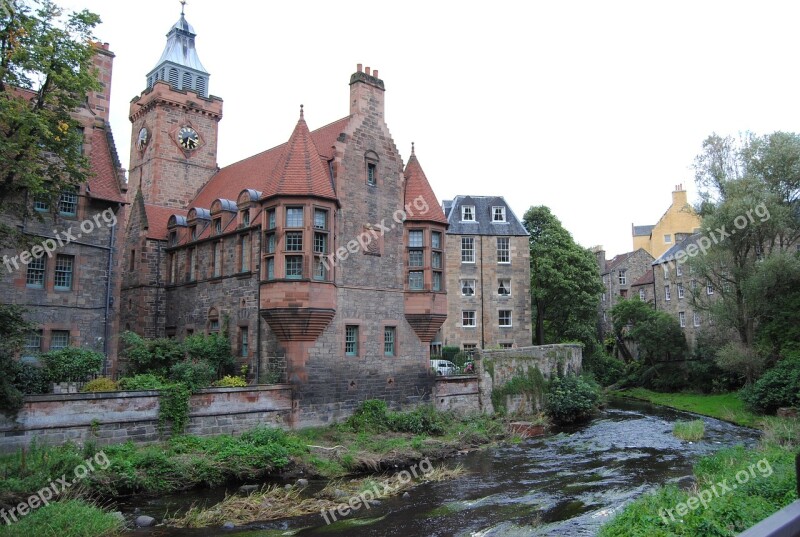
{"x":300,"y":170}
{"x":646,"y":279}
{"x":417,"y":187}
{"x":254,"y":172}
{"x":104,"y":183}
{"x":483,"y":224}
{"x":642,"y":231}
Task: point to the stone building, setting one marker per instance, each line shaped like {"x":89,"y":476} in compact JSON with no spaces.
{"x":67,"y":281}
{"x":676,"y":224}
{"x":323,"y":258}
{"x":673,"y":286}
{"x":488,"y":275}
{"x":618,"y":275}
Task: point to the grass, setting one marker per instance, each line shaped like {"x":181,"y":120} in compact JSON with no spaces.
{"x":725,"y":406}
{"x":186,"y":462}
{"x":67,"y":518}
{"x":691,"y":431}
{"x":764,"y":478}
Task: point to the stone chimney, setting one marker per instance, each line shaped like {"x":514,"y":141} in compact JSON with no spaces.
{"x":679,"y":198}
{"x":366,"y":92}
{"x":100,"y":100}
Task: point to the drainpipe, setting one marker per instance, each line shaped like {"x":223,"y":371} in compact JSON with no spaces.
{"x":258,"y":312}
{"x":106,"y":327}
{"x":483,"y":323}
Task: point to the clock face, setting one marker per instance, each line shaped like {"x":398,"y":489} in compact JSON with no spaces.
{"x":144,"y":137}
{"x":188,"y":138}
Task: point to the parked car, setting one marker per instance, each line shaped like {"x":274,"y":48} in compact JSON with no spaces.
{"x":444,"y":367}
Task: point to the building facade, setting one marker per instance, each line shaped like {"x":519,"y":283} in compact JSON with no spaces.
{"x":675,"y":225}
{"x":323,"y":258}
{"x":619,"y":275}
{"x":488,"y":275}
{"x":67,"y":281}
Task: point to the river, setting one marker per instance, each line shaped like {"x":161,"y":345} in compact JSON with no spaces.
{"x":565,"y":483}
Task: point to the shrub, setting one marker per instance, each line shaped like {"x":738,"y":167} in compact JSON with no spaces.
{"x":145,"y":381}
{"x":737,"y":358}
{"x":229,"y":381}
{"x":102,"y":384}
{"x":370,"y":416}
{"x":422,"y":420}
{"x":214,"y":349}
{"x":606,"y":369}
{"x":72,"y":364}
{"x":151,"y":355}
{"x":195,"y":375}
{"x":778,"y":387}
{"x":28,"y":378}
{"x":571,"y":398}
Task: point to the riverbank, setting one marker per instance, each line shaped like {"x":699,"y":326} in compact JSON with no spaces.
{"x":371,"y":441}
{"x":734,"y":488}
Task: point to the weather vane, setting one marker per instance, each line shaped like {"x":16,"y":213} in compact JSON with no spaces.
{"x":183,"y":6}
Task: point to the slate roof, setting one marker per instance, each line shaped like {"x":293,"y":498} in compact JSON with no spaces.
{"x":617,"y":260}
{"x":417,"y":186}
{"x":642,"y":231}
{"x":180,"y":48}
{"x":647,"y":279}
{"x":483,"y":224}
{"x":669,"y":255}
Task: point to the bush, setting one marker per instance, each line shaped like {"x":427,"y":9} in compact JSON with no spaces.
{"x":370,"y":416}
{"x":195,"y":375}
{"x":72,"y":364}
{"x":605,"y":369}
{"x":29,"y":379}
{"x":145,"y":381}
{"x":229,"y":381}
{"x":214,"y":349}
{"x":151,"y":355}
{"x":740,"y":359}
{"x":102,"y":384}
{"x":778,"y":387}
{"x":422,"y":420}
{"x":571,"y":398}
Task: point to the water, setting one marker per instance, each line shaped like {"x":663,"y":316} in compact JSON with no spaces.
{"x":566,"y":483}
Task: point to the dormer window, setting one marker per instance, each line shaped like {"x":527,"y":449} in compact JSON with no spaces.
{"x":245,"y":218}
{"x":194,"y":232}
{"x":218,"y":226}
{"x":498,"y":214}
{"x":173,"y":238}
{"x":467,"y":213}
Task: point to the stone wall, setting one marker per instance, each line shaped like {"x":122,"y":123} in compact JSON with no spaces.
{"x":115,"y":417}
{"x":459,"y":394}
{"x":496,"y":368}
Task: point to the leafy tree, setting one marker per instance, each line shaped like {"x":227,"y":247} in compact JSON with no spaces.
{"x":151,"y":355}
{"x":214,"y":349}
{"x":750,"y":190}
{"x":657,"y":335}
{"x":13,"y":328}
{"x":565,"y":283}
{"x":45,"y":74}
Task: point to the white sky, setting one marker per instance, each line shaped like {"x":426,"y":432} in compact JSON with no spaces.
{"x":595,"y":109}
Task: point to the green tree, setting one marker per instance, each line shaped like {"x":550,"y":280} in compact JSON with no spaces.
{"x":45,"y":74}
{"x":13,"y":328}
{"x":565,"y":283}
{"x":657,"y":334}
{"x":749,"y":190}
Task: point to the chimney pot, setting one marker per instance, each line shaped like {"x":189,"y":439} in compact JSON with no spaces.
{"x":366,"y":70}
{"x":375,"y":73}
{"x":360,"y":67}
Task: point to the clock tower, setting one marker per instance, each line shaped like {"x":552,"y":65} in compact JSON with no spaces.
{"x":174,"y":126}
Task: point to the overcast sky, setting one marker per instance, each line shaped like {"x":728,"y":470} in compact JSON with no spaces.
{"x":595,"y":109}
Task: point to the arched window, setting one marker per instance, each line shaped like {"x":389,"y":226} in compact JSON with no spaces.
{"x":213,"y":320}
{"x":371,"y":168}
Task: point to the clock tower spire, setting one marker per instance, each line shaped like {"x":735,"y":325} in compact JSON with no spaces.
{"x":175,"y":124}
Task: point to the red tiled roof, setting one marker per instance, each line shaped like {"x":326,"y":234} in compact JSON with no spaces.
{"x":157,"y":219}
{"x":255,"y":172}
{"x":300,"y":171}
{"x":103,"y":183}
{"x":417,"y":186}
{"x":646,"y":279}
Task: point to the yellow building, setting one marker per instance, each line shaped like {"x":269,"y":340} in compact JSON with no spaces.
{"x":676,"y":224}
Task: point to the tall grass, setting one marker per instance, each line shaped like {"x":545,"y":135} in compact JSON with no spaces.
{"x":691,"y":431}
{"x":68,"y":518}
